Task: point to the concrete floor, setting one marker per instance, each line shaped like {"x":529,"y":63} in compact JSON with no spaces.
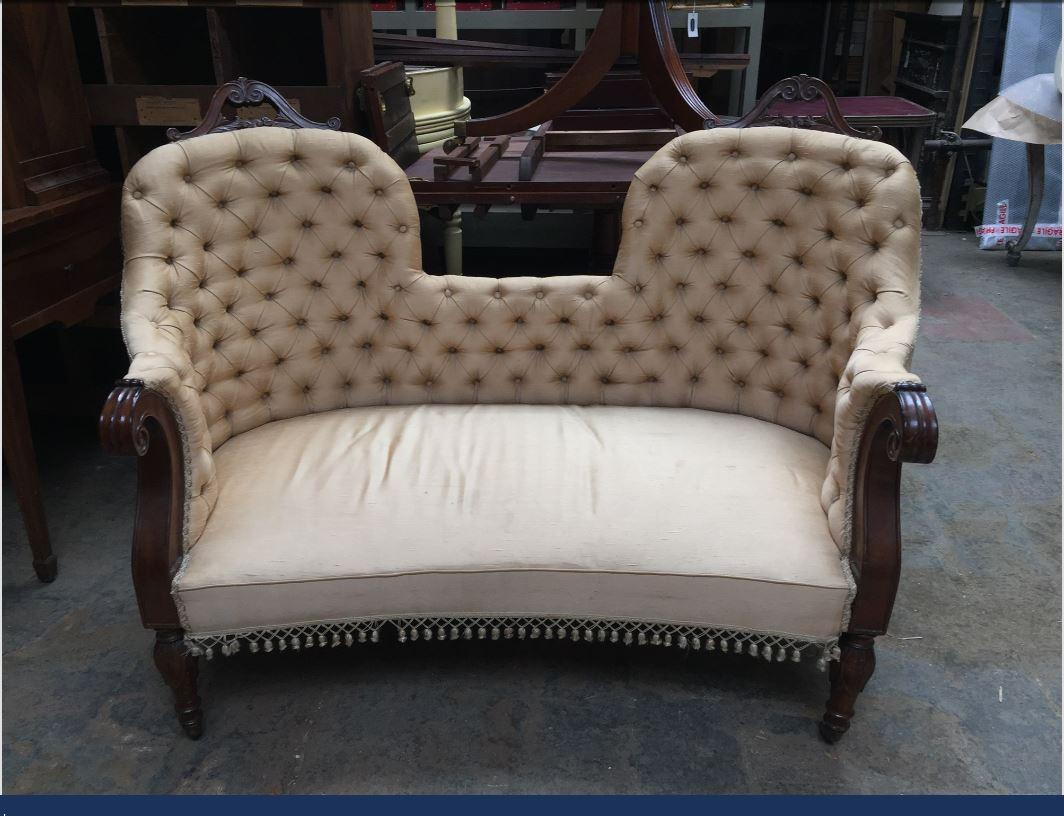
{"x":966,"y":697}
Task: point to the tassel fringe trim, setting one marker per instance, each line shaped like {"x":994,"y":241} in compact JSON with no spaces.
{"x":773,"y":648}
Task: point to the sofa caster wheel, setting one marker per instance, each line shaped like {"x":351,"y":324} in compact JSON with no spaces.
{"x":191,"y":723}
{"x":831,"y":733}
{"x":47,"y":569}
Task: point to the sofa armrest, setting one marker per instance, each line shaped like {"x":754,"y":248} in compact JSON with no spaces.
{"x":140,"y":420}
{"x":901,"y":426}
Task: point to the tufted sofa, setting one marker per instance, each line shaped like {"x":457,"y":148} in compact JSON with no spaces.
{"x":701,"y":451}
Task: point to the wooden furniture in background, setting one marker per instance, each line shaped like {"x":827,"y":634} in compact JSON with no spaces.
{"x":247,"y":92}
{"x":386,"y":92}
{"x":640,"y":30}
{"x":149,"y":68}
{"x":60,"y":224}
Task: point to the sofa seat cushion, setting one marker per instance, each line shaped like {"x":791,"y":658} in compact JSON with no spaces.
{"x":669,"y":515}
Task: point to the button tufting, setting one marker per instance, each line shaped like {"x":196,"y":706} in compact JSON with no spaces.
{"x":723,"y":303}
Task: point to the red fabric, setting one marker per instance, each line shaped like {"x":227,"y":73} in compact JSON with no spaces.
{"x":869,"y":106}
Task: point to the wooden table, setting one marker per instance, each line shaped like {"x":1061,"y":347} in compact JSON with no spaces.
{"x":595,"y":180}
{"x":59,"y":259}
{"x":910,"y":121}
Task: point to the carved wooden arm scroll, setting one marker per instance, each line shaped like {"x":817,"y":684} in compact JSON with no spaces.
{"x":244,"y":91}
{"x":902,"y":427}
{"x":137,"y":421}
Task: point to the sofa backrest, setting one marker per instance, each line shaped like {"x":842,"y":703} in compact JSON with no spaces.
{"x":284,"y":267}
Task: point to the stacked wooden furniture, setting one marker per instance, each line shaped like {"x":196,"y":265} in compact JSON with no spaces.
{"x":61,"y":251}
{"x":149,"y":68}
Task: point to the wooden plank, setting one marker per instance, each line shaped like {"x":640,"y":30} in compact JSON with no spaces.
{"x":556,"y":140}
{"x":117,"y":104}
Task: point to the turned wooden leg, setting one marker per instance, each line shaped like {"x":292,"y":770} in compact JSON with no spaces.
{"x":849,"y":675}
{"x":22,"y":465}
{"x":1036,"y":182}
{"x":179,"y":669}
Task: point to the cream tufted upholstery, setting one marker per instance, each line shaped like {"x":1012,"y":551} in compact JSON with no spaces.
{"x":275,"y":273}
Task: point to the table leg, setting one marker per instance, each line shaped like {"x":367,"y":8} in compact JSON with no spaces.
{"x":452,"y":244}
{"x":605,"y":238}
{"x":22,"y":465}
{"x":1036,"y":182}
{"x":917,"y":136}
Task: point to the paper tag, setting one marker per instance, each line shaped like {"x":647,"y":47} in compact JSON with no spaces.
{"x":168,"y":110}
{"x":692,"y":24}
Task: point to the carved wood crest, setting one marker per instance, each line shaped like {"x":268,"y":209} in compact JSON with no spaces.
{"x":801,"y":88}
{"x":244,"y":91}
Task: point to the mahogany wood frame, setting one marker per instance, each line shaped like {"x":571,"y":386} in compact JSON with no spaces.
{"x":901,"y":427}
{"x":805,"y":88}
{"x":138,"y":421}
{"x":244,"y":91}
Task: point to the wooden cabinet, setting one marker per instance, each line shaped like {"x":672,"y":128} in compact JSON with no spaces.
{"x":60,"y":222}
{"x":148,"y":68}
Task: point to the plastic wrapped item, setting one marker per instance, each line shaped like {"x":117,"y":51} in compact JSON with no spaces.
{"x":1028,"y":110}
